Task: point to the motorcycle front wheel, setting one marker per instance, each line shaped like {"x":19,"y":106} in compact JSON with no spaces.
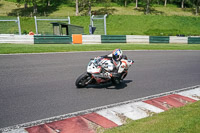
{"x":82,"y":80}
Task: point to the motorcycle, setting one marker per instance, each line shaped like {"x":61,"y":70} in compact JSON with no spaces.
{"x":98,"y":72}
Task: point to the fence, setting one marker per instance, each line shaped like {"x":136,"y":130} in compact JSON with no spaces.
{"x":46,"y":25}
{"x":99,"y":21}
{"x":11,"y":27}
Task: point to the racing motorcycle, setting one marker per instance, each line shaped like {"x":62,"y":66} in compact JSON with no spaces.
{"x":98,"y":72}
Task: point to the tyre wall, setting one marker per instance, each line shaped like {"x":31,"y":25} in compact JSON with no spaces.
{"x":96,"y":39}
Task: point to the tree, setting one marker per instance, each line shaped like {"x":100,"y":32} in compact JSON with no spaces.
{"x":136,"y":3}
{"x":86,"y":5}
{"x":146,"y":4}
{"x":158,"y":2}
{"x":26,"y":4}
{"x":77,"y":11}
{"x":165,"y":3}
{"x":147,"y":7}
{"x":49,"y":3}
{"x":196,"y":4}
{"x":182,"y":3}
{"x":34,"y":6}
{"x":125,"y":3}
{"x":89,"y":7}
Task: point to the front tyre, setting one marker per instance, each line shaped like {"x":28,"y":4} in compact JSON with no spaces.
{"x":82,"y":80}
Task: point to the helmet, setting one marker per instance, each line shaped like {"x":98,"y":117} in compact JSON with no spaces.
{"x":117,"y":54}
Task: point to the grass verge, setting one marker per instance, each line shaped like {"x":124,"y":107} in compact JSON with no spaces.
{"x":177,"y":120}
{"x":154,"y":25}
{"x":67,"y":8}
{"x":39,"y":48}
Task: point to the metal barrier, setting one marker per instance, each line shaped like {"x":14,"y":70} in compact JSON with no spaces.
{"x":17,"y":21}
{"x":36,"y":19}
{"x":99,"y":17}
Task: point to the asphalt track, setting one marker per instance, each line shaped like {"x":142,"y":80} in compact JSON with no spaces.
{"x":38,"y":86}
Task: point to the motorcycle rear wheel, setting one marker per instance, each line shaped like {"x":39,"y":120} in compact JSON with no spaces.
{"x":82,"y":80}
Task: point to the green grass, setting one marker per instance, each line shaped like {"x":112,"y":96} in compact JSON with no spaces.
{"x":6,"y":7}
{"x":153,"y":25}
{"x":177,"y":120}
{"x":65,"y":9}
{"x":39,"y":48}
{"x":27,"y":24}
{"x":164,"y":21}
{"x":156,"y":25}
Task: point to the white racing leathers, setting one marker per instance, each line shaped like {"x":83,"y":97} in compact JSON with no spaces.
{"x":112,"y":67}
{"x":102,"y":70}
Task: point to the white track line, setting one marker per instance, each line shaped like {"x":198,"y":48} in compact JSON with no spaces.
{"x":100,"y":51}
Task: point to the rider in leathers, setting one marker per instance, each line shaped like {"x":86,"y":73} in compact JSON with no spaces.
{"x":115,"y":58}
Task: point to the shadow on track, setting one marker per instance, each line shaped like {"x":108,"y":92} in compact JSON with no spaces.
{"x":109,"y":85}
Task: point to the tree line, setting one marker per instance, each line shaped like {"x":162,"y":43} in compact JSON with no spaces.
{"x":146,"y":4}
{"x":87,"y":4}
{"x":182,"y":3}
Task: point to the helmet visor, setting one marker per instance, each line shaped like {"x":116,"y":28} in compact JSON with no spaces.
{"x":116,"y":57}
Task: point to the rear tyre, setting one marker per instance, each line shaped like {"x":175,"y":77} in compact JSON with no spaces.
{"x":82,"y":80}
